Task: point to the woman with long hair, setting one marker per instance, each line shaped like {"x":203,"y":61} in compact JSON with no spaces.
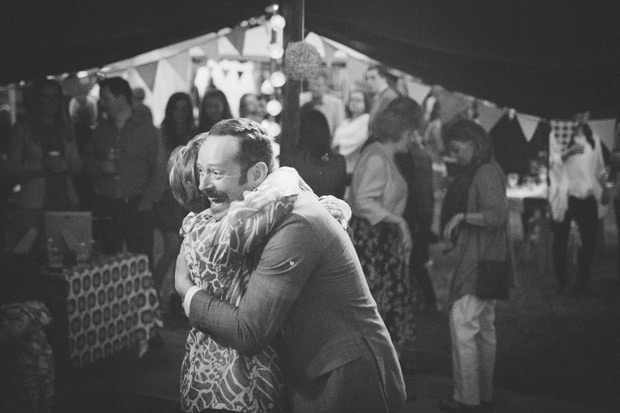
{"x":352,"y":133}
{"x":314,"y":159}
{"x":474,"y":219}
{"x":214,"y":107}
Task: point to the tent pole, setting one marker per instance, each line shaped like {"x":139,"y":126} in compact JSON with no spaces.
{"x":293,"y":12}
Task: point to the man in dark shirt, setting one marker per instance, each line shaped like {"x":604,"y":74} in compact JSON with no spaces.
{"x":123,"y":158}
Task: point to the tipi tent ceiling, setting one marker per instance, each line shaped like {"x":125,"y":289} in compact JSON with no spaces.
{"x":544,"y":58}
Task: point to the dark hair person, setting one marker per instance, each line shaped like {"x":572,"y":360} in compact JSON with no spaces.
{"x":474,"y":218}
{"x":43,"y":157}
{"x":214,"y":107}
{"x":314,"y":159}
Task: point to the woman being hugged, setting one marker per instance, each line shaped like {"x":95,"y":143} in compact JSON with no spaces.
{"x":474,"y":218}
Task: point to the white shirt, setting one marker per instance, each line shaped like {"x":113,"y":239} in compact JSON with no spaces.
{"x":585,"y":170}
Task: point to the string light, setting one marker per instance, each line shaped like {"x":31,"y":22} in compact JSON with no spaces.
{"x":277,"y":79}
{"x":276,"y":51}
{"x":277,"y":22}
{"x":266,"y":88}
{"x":274,"y":107}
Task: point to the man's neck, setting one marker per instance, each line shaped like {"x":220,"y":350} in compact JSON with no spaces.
{"x":382,"y":89}
{"x":122,"y":117}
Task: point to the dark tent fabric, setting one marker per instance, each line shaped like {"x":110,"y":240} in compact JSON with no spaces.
{"x":545,"y":58}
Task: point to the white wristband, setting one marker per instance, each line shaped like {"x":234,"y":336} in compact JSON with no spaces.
{"x":188,"y":298}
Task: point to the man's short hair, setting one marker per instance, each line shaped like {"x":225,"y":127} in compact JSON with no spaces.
{"x":254,"y":143}
{"x":381,"y":70}
{"x":118,"y":87}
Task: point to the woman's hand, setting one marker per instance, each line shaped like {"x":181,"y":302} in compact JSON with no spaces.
{"x":451,"y":225}
{"x":182,"y":280}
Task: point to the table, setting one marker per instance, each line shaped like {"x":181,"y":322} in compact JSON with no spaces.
{"x":111,"y":305}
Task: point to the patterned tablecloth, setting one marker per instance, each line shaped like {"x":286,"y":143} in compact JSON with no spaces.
{"x":111,"y":305}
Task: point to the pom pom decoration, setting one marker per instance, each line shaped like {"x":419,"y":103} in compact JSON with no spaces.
{"x":301,"y":61}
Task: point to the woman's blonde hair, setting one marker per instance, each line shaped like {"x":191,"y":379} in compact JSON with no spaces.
{"x":183,"y":176}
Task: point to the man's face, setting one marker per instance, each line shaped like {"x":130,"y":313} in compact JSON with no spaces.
{"x":219,"y":173}
{"x":109,"y":103}
{"x":317,"y":87}
{"x":375,"y":81}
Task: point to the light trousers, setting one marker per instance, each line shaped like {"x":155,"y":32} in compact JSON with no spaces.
{"x":473,"y":349}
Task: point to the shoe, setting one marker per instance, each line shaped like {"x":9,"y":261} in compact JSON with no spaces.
{"x":451,"y":405}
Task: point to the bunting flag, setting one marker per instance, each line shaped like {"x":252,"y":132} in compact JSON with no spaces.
{"x":604,"y":128}
{"x":237,"y":38}
{"x":329,"y":53}
{"x":528,"y":125}
{"x":316,"y":41}
{"x":257,"y":41}
{"x":226,"y":48}
{"x":488,"y":116}
{"x":562,"y":131}
{"x":210,"y":49}
{"x":417,"y":91}
{"x":181,"y":64}
{"x":148,"y":72}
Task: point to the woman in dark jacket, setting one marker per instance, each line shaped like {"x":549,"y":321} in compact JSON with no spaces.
{"x":323,"y":170}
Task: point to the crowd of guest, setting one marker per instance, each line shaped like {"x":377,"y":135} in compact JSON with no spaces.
{"x":376,"y":151}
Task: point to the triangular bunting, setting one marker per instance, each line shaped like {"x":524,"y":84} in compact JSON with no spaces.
{"x":257,"y":41}
{"x":488,"y":116}
{"x":562,"y":131}
{"x":148,"y":72}
{"x":316,"y":41}
{"x":226,"y":48}
{"x":417,"y":91}
{"x":210,"y":49}
{"x":237,"y":38}
{"x":528,"y":125}
{"x":181,"y":64}
{"x":329,"y":53}
{"x":604,"y":128}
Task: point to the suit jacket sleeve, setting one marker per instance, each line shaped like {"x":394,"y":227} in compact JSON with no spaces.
{"x":290,"y":256}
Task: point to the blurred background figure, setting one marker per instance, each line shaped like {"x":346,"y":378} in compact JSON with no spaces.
{"x":584,"y":174}
{"x":250,"y":108}
{"x":123,"y":158}
{"x":315,"y":161}
{"x":42,"y":158}
{"x":377,"y":78}
{"x":139,"y":107}
{"x":352,"y":133}
{"x":433,"y":142}
{"x":213,"y":108}
{"x":177,"y":128}
{"x":381,"y":234}
{"x":320,"y":98}
{"x":416,"y":166}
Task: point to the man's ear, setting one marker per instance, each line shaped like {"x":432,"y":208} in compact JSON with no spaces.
{"x":257,"y":174}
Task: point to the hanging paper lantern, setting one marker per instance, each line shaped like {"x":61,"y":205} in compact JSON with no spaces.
{"x":277,"y":22}
{"x":265,"y":124}
{"x":274,"y":107}
{"x":275,"y":51}
{"x":277,"y":79}
{"x":301,"y":60}
{"x":266,"y":88}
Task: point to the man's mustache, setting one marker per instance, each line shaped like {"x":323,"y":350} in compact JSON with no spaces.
{"x":214,"y":194}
